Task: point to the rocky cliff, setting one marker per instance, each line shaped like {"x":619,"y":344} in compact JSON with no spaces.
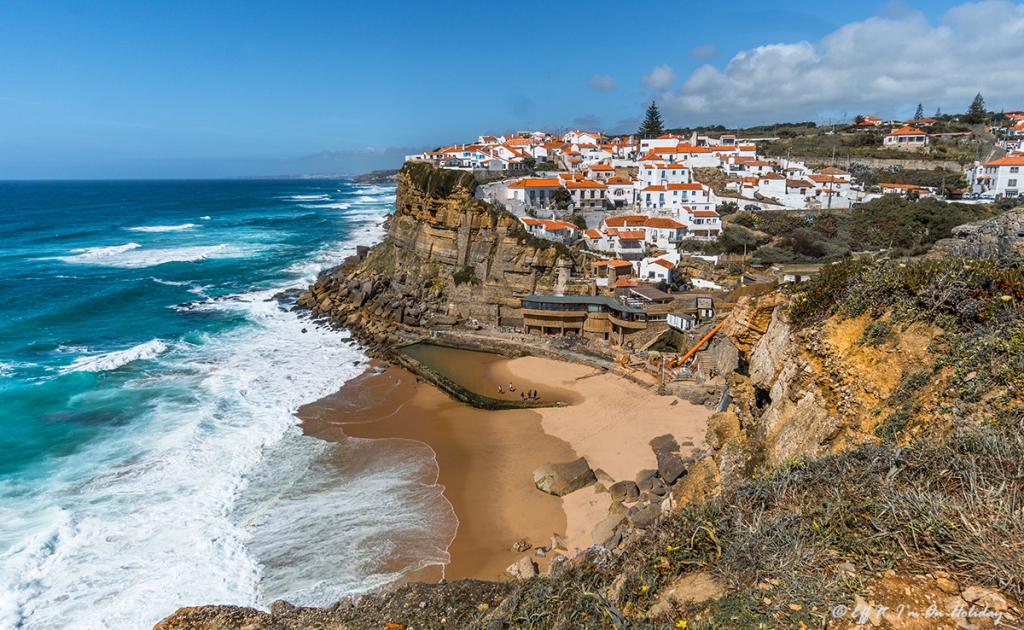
{"x":1001,"y":236}
{"x":903,"y":350}
{"x":805,"y":392}
{"x":448,"y":256}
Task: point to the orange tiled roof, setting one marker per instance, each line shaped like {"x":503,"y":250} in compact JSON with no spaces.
{"x":625,"y":220}
{"x":1013,"y":160}
{"x":907,"y":131}
{"x":536,"y":183}
{"x":632,"y":235}
{"x":663,"y":222}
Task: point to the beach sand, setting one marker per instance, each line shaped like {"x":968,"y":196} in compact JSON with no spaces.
{"x":486,"y":459}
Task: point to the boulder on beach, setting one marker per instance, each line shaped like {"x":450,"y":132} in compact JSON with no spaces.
{"x":561,"y":479}
{"x":605,"y":530}
{"x":625,"y":491}
{"x":522,"y":570}
{"x":670,"y":465}
{"x":646,"y":516}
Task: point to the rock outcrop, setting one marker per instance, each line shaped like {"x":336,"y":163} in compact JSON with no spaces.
{"x":804,"y":392}
{"x":999,"y":236}
{"x":448,"y":257}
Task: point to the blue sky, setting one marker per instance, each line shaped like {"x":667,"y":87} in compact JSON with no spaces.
{"x":210,"y":89}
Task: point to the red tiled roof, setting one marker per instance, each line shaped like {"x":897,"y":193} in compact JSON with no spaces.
{"x":664,"y":263}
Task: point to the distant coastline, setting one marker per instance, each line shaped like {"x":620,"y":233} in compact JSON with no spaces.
{"x":386,"y":176}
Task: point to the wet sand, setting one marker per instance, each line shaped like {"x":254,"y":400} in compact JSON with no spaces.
{"x":486,"y":458}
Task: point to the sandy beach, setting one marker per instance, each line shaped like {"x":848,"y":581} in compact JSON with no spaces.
{"x":486,"y":459}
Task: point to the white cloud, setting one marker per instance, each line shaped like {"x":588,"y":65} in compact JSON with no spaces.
{"x":881,"y":65}
{"x":706,"y":51}
{"x":660,"y":78}
{"x":602,"y":83}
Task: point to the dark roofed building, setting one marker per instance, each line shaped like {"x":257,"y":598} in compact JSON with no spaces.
{"x":591,"y":316}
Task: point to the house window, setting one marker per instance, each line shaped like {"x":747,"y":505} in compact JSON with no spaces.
{"x":1011,"y":182}
{"x":1014,"y":169}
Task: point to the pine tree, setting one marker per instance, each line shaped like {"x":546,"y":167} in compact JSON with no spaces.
{"x":919,"y":114}
{"x":652,"y":126}
{"x":938,"y":112}
{"x":976,"y":112}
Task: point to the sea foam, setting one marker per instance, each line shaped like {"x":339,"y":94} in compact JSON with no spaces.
{"x":134,"y":256}
{"x":113,"y":360}
{"x":162,"y":228}
{"x":196,"y":500}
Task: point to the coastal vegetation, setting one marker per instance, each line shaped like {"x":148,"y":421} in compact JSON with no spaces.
{"x":891,"y":223}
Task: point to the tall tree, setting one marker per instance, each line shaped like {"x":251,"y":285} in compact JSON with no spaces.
{"x":938,"y":112}
{"x":919,"y":114}
{"x":976,"y":112}
{"x":652,"y":126}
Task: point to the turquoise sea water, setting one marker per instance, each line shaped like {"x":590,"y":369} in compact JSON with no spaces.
{"x":149,"y":455}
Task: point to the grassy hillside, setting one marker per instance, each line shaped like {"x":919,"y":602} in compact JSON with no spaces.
{"x":891,"y":223}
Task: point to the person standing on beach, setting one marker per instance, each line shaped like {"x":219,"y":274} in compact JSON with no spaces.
{"x":510,"y":388}
{"x":500,"y":391}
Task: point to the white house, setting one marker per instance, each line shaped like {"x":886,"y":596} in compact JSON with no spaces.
{"x":653,"y":174}
{"x":550,"y":230}
{"x":587,"y":194}
{"x":682,"y":321}
{"x":658,"y":268}
{"x":1002,"y":177}
{"x":621,"y":192}
{"x":664,"y":232}
{"x":534,"y":192}
{"x":906,"y":138}
{"x":582,"y":137}
{"x":666,"y":141}
{"x":600,"y":172}
{"x":673,"y":197}
{"x":704,"y":224}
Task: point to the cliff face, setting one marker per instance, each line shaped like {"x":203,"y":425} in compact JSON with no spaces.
{"x":448,"y":256}
{"x":805,"y":392}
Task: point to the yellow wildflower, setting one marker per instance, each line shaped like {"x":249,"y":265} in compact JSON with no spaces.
{"x":643,"y":589}
{"x":1006,"y":298}
{"x":681,"y":623}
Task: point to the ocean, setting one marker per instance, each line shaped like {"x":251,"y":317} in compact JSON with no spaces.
{"x":150,"y":457}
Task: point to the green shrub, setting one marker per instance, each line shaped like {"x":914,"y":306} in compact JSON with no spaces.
{"x":466,"y":275}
